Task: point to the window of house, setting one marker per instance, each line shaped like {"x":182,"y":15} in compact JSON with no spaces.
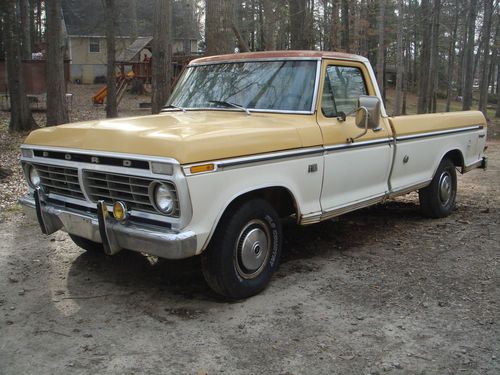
{"x":342,"y":87}
{"x":94,"y":45}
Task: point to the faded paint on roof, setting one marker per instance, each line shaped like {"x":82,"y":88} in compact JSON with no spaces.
{"x":278,"y":55}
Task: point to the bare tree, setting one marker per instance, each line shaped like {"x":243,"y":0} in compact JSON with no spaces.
{"x":161,"y":54}
{"x":21,"y":118}
{"x":469,"y":55}
{"x":110,"y":16}
{"x":381,"y":47}
{"x":451,"y":59}
{"x":484,"y":81}
{"x":298,"y":20}
{"x":434,"y":62}
{"x":345,"y":35}
{"x":57,"y":112}
{"x":132,"y":12}
{"x":219,"y":23}
{"x":425,"y":56}
{"x":399,"y":62}
{"x":269,"y":25}
{"x":24,"y":6}
{"x":335,"y":43}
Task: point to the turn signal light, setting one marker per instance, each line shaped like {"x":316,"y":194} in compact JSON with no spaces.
{"x":202,"y":168}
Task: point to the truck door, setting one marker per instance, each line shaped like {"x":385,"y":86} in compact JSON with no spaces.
{"x":355,"y":173}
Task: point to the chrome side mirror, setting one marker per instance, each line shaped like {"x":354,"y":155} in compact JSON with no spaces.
{"x":368,"y":112}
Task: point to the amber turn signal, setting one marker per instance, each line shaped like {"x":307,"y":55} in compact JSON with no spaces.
{"x":202,"y":168}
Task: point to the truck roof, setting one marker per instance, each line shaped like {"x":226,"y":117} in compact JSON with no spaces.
{"x":278,"y":55}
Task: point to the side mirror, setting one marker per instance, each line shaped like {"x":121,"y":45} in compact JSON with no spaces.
{"x":368,"y":112}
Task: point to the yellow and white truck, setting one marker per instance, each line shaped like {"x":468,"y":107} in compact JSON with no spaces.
{"x":245,"y":140}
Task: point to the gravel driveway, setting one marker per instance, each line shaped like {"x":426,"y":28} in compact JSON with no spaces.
{"x":380,"y":290}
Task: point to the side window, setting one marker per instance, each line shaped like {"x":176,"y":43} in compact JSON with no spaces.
{"x":342,"y":88}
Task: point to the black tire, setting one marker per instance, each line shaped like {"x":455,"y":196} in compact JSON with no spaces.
{"x":438,"y":199}
{"x":244,"y":251}
{"x":87,"y":245}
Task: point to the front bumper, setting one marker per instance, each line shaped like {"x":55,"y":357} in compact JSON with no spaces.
{"x":114,"y":235}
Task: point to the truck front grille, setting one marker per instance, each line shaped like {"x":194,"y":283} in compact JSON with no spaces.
{"x":111,"y":187}
{"x":59,"y":180}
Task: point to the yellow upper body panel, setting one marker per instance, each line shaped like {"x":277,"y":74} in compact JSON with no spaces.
{"x":424,"y":123}
{"x":188,"y":137}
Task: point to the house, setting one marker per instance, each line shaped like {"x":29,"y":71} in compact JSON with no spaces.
{"x":85,"y":33}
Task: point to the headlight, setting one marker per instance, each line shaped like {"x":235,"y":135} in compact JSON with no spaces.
{"x":33,"y":176}
{"x":163,"y":198}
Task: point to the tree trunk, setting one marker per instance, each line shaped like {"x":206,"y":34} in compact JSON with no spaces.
{"x":469,"y":56}
{"x":335,"y":40}
{"x":484,"y":81}
{"x":219,"y":33}
{"x":269,"y":25}
{"x":25,"y":29}
{"x":345,"y":37}
{"x":56,"y":92}
{"x":161,"y":54}
{"x":399,"y":62}
{"x":451,"y":59}
{"x":298,"y":21}
{"x":434,"y":62}
{"x":497,"y":112}
{"x":422,"y":104}
{"x":134,"y":33}
{"x":110,"y":17}
{"x":381,"y":47}
{"x":20,"y":113}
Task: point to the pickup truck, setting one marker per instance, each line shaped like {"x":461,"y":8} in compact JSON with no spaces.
{"x":244,"y":141}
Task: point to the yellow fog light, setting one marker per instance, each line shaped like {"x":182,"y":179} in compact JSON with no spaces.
{"x":120,"y":211}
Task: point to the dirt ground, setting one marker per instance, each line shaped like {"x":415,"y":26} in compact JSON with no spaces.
{"x":380,"y":290}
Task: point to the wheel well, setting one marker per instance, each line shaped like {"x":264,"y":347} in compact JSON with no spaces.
{"x":456,"y":157}
{"x":279,"y":197}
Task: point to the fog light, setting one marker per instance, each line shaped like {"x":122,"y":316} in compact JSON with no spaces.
{"x":120,"y":211}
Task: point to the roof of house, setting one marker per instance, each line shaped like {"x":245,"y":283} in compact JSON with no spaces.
{"x":278,"y":55}
{"x":132,"y":50}
{"x":86,"y":18}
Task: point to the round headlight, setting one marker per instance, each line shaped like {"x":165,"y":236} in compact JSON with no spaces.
{"x":34,"y":177}
{"x":163,"y":198}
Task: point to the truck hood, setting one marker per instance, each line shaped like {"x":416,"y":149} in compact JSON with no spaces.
{"x":188,"y":137}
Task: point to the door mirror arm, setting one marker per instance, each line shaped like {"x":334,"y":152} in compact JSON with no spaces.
{"x":364,"y":117}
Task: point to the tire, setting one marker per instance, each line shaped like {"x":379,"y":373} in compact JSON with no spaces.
{"x":438,"y":199}
{"x":87,"y":245}
{"x":244,"y":251}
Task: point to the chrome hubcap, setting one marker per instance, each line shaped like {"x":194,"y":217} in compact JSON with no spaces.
{"x":253,"y":249}
{"x":445,"y":183}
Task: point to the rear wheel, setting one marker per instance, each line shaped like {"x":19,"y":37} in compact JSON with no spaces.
{"x":438,"y":199}
{"x":87,"y":245}
{"x":245,"y":250}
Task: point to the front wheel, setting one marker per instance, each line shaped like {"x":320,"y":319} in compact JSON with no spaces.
{"x":438,"y":199}
{"x":245,"y":250}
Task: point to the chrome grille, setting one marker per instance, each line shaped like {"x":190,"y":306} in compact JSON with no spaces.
{"x":133,"y":190}
{"x":59,"y":180}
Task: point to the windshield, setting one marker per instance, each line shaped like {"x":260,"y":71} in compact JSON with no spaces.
{"x":260,"y":85}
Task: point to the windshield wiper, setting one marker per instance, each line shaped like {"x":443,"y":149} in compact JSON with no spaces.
{"x":174,"y":106}
{"x":229,"y":104}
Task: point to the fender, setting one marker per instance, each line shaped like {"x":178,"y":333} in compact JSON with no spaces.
{"x":244,"y":192}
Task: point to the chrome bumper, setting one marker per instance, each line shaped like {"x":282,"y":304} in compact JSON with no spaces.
{"x":114,"y":235}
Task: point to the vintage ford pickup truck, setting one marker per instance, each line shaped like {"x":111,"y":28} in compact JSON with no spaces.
{"x":245,"y":140}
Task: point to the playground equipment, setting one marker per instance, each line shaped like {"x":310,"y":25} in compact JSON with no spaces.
{"x":122,"y":82}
